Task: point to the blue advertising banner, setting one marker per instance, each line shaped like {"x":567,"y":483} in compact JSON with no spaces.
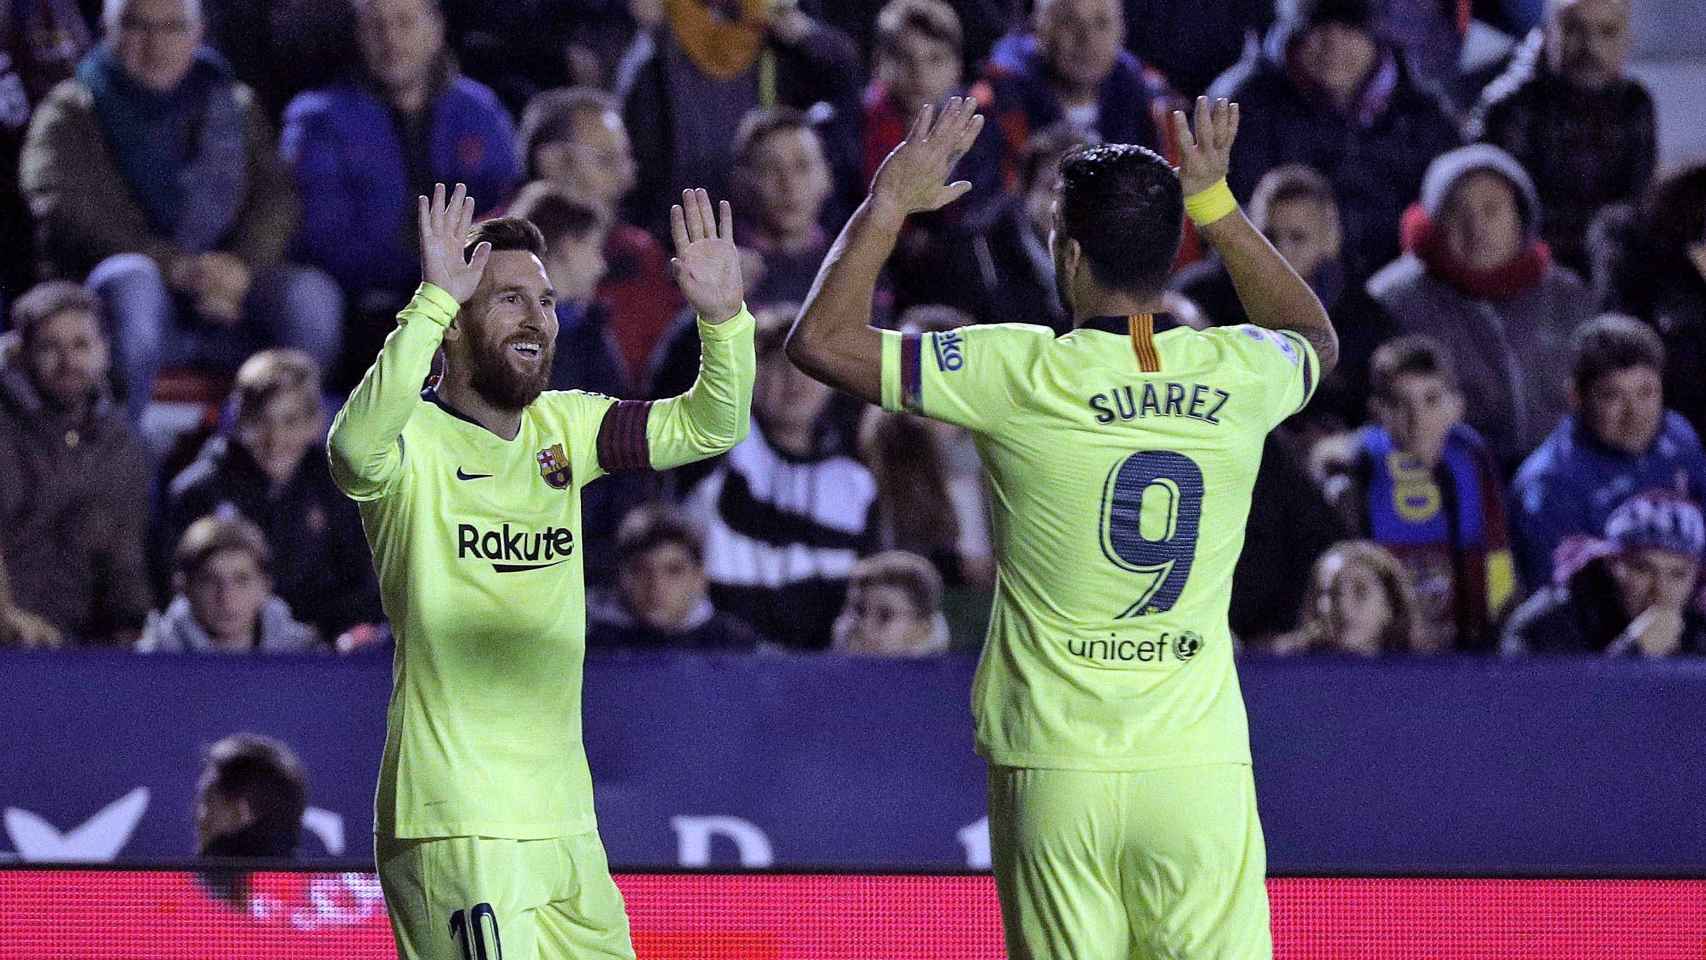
{"x":1397,"y":766}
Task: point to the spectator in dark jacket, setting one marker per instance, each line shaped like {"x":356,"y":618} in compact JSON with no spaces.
{"x":1072,"y":68}
{"x":660,"y":600}
{"x":250,"y":799}
{"x":1650,"y":261}
{"x":155,"y":172}
{"x":1581,"y":127}
{"x":41,"y":42}
{"x":1192,"y":43}
{"x":1632,"y":594}
{"x":73,"y":479}
{"x":223,"y":600}
{"x":1325,"y":91}
{"x":1422,"y":485}
{"x":1478,"y":279}
{"x":269,"y":470}
{"x":363,"y":150}
{"x":1295,"y":209}
{"x":686,"y":83}
{"x":575,"y":137}
{"x":1619,"y":441}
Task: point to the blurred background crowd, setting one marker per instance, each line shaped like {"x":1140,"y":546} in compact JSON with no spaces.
{"x":207,"y":211}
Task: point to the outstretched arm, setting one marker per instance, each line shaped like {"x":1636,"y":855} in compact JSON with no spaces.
{"x":1274,"y":296}
{"x":833,"y":339}
{"x":365,"y":445}
{"x":714,"y":414}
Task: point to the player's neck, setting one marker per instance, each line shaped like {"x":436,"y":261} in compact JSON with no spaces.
{"x":457,"y":394}
{"x":1112,"y":303}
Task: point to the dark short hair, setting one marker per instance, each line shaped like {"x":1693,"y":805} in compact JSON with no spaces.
{"x":214,"y":534}
{"x":652,"y":525}
{"x":550,"y":116}
{"x":1413,"y":355}
{"x":761,"y":122}
{"x":264,"y":773}
{"x":272,"y":373}
{"x":910,"y":573}
{"x":932,"y":18}
{"x":44,"y":301}
{"x":556,"y":212}
{"x":1612,"y":342}
{"x":1123,"y":204}
{"x":1286,"y":184}
{"x":505,"y":233}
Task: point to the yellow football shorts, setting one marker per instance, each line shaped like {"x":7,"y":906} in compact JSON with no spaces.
{"x":1162,"y":864}
{"x":484,"y":898}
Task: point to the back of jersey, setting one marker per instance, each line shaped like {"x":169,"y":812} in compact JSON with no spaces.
{"x":1120,"y":459}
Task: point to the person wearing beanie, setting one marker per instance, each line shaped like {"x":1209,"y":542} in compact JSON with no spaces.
{"x":1634,"y":593}
{"x":1476,"y":276}
{"x":1326,"y":90}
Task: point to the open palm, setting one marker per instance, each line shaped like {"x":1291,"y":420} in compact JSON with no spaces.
{"x":444,"y":226}
{"x":1205,"y":154}
{"x":707,"y":262}
{"x":912,"y":178}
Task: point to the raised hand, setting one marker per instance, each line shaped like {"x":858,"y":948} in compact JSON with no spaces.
{"x":706,"y":262}
{"x":444,"y":226}
{"x":912,"y":177}
{"x":1204,"y":158}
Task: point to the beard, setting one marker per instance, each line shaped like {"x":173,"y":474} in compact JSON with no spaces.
{"x":499,"y":383}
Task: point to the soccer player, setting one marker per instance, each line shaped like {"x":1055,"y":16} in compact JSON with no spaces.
{"x":1120,"y":458}
{"x":470,"y":495}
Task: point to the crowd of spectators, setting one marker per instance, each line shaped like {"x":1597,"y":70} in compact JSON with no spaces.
{"x":211,"y":207}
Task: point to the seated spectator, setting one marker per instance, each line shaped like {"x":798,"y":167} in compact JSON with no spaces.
{"x":73,"y":480}
{"x":1567,"y":110}
{"x":362,"y":150}
{"x":1072,"y":68}
{"x":250,"y":799}
{"x":689,"y":79}
{"x":576,"y":139}
{"x":1325,"y":91}
{"x":1619,"y":441}
{"x":155,"y":173}
{"x":922,"y":465}
{"x":1295,"y":208}
{"x":919,"y":61}
{"x":1632,"y":594}
{"x":1423,"y":486}
{"x":1477,"y":278}
{"x":222,"y":597}
{"x":1650,"y":261}
{"x":41,"y":42}
{"x":584,"y":355}
{"x":893,"y":609}
{"x":660,"y":601}
{"x":995,"y":264}
{"x":789,"y":510}
{"x":1360,"y":602}
{"x":271,"y":470}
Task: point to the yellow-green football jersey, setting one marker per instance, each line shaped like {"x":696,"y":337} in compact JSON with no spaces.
{"x":477,"y":542}
{"x":1119,"y":460}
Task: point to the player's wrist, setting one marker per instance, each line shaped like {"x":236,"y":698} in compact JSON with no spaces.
{"x":1211,"y":203}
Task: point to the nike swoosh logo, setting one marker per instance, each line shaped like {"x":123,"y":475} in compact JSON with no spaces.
{"x":470,"y":476}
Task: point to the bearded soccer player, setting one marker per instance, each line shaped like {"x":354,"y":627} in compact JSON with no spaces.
{"x":470,"y":496}
{"x":1120,"y":459}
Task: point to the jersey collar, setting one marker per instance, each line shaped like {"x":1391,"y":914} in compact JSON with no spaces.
{"x":1122,"y":325}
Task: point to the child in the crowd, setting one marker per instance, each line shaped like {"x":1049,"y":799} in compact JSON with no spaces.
{"x":1634,"y":593}
{"x":1423,"y":485}
{"x":893,"y":609}
{"x":224,"y":601}
{"x":660,"y":599}
{"x":1360,"y":601}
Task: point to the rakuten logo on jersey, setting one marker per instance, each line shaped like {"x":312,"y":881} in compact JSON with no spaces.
{"x":510,"y":550}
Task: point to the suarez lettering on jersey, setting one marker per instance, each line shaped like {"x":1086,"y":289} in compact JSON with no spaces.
{"x":1166,"y":398}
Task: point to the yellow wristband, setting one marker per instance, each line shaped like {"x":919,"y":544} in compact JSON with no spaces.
{"x":1206,"y":206}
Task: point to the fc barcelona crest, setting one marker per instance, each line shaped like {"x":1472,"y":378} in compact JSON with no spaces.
{"x":554,"y":466}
